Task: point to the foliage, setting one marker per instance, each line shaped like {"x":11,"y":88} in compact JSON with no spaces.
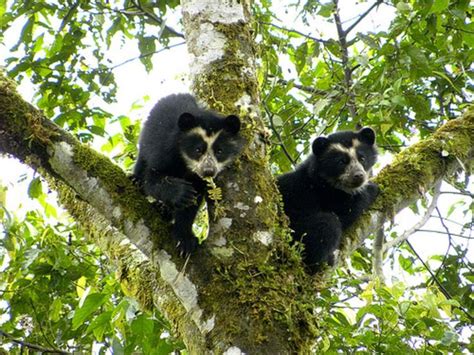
{"x":58,"y":291}
{"x":408,"y":78}
{"x":372,"y":318}
{"x":405,"y":80}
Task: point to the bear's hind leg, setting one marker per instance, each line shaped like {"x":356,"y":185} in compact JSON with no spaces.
{"x":321,"y":235}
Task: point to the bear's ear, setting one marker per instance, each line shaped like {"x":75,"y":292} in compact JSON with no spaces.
{"x":232,"y":124}
{"x":366,"y":135}
{"x":319,"y":145}
{"x":186,"y":121}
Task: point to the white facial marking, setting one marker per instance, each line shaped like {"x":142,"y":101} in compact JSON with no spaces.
{"x":209,"y":156}
{"x":343,"y":182}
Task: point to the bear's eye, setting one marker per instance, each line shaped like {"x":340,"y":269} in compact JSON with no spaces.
{"x":219,"y":151}
{"x":361,"y":158}
{"x":341,"y":162}
{"x":198,"y":150}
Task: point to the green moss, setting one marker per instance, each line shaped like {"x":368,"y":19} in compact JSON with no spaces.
{"x":135,"y":278}
{"x":133,"y":204}
{"x":268,"y":300}
{"x":225,"y":82}
{"x":418,"y":167}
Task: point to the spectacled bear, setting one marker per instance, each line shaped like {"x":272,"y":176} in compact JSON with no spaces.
{"x":329,"y":191}
{"x":180,"y":144}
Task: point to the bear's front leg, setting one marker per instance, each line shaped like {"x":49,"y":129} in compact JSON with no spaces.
{"x":359,"y":203}
{"x":182,"y":231}
{"x":174,"y":192}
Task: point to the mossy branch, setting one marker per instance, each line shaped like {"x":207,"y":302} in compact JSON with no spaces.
{"x":36,"y":141}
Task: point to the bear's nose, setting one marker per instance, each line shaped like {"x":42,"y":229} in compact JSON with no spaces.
{"x":358,"y":178}
{"x":209,"y":172}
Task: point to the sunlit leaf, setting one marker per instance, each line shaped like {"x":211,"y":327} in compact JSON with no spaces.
{"x":91,"y":304}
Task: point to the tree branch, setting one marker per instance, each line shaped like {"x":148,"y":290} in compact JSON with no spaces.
{"x":319,"y":40}
{"x":345,"y":62}
{"x":401,"y":238}
{"x":377,"y":262}
{"x":28,"y":345}
{"x":361,"y":17}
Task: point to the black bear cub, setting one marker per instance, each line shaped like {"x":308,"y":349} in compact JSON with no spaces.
{"x":180,"y":144}
{"x":329,"y":191}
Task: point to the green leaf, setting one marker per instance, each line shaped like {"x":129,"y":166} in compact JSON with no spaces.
{"x":30,"y":256}
{"x":300,"y":57}
{"x":91,"y":304}
{"x":449,"y":338}
{"x":147,"y":47}
{"x":38,"y":45}
{"x":55,"y":310}
{"x":326,"y":10}
{"x":56,"y":46}
{"x":27,"y":31}
{"x":406,"y":264}
{"x":403,"y":7}
{"x":3,"y":195}
{"x":35,"y":189}
{"x":3,"y":6}
{"x":439,"y":6}
{"x":100,"y":325}
{"x":468,"y":34}
{"x":341,"y":317}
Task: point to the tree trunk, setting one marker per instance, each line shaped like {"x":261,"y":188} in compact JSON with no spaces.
{"x":245,"y":289}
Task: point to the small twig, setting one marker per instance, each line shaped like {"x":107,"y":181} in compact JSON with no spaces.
{"x":449,"y":245}
{"x":155,"y":18}
{"x":361,"y":17}
{"x":30,"y":345}
{"x":420,"y":223}
{"x":146,"y":55}
{"x":308,"y":89}
{"x":441,"y":232}
{"x":294,"y":31}
{"x":277,"y":134}
{"x":377,"y":261}
{"x":448,"y":219}
{"x":345,"y":62}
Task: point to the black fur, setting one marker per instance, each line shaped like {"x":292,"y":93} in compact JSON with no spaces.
{"x":174,"y":156}
{"x":329,"y":191}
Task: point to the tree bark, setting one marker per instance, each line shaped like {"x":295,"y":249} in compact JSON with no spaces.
{"x":245,"y":289}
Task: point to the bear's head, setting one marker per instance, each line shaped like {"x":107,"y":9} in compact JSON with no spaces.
{"x":209,"y":142}
{"x":344,"y":159}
